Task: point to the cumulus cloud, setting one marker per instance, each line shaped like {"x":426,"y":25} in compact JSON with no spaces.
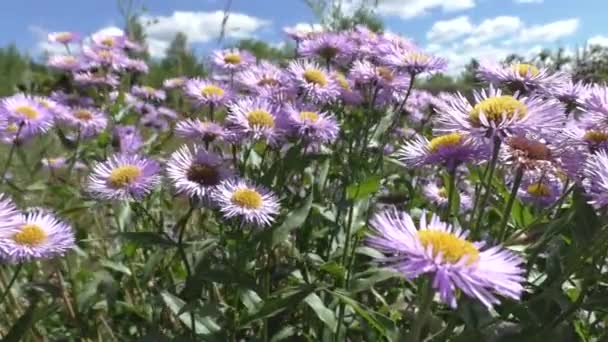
{"x":549,"y":32}
{"x":598,"y":40}
{"x":199,"y":27}
{"x":448,"y":30}
{"x":407,"y":9}
{"x":493,"y":28}
{"x":529,"y":1}
{"x":305,"y":27}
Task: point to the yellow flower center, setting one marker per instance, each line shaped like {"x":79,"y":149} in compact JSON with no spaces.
{"x":148,"y":89}
{"x":309,"y":116}
{"x":495,"y":107}
{"x":109,"y":42}
{"x":247,"y":198}
{"x":538,"y":190}
{"x":451,"y":247}
{"x":203,"y":174}
{"x":596,"y":137}
{"x":28,"y":112}
{"x":52,"y":161}
{"x":211,"y":90}
{"x":30,"y":235}
{"x":105,"y":54}
{"x":12,"y":128}
{"x":386,"y":74}
{"x":83,"y":115}
{"x":315,"y":76}
{"x":233,"y":58}
{"x":443,"y":193}
{"x":64,"y":36}
{"x":124,"y":175}
{"x":416,"y":57}
{"x":446,"y":140}
{"x":342,"y":81}
{"x":261,"y":118}
{"x":525,"y":69}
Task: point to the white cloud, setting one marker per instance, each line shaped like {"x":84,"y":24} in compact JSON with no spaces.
{"x":43,"y":46}
{"x":549,"y":32}
{"x":199,"y":27}
{"x":447,"y":30}
{"x":304,"y":27}
{"x":529,"y":1}
{"x":493,"y":28}
{"x":411,"y":8}
{"x":598,"y":40}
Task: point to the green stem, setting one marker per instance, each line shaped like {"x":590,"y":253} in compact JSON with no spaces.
{"x":344,"y":256}
{"x":182,"y":223}
{"x":10,"y":284}
{"x":507,"y":212}
{"x":11,"y":152}
{"x":449,"y":213}
{"x":488,"y":182}
{"x":424,"y":309}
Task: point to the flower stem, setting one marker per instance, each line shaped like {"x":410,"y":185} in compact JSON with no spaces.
{"x":11,"y":153}
{"x":424,"y":309}
{"x":488,"y":182}
{"x":507,"y":212}
{"x":10,"y":284}
{"x":449,"y":213}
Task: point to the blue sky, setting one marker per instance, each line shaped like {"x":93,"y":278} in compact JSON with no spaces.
{"x":457,"y":29}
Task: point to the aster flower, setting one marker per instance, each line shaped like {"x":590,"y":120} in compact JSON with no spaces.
{"x":105,"y":57}
{"x":65,"y":62}
{"x":155,"y":121}
{"x":311,"y":125}
{"x":109,"y":40}
{"x":439,"y":196}
{"x":450,"y":150}
{"x":313,"y":81}
{"x":196,"y":172}
{"x":300,"y":32}
{"x":148,"y":93}
{"x":204,"y":92}
{"x":255,"y":118}
{"x":9,"y":215}
{"x":251,"y":204}
{"x":496,"y":114}
{"x":167,"y":113}
{"x":569,"y":93}
{"x":371,"y":75}
{"x":135,"y":65}
{"x":55,"y":108}
{"x":127,"y":139}
{"x":63,"y":37}
{"x":91,"y":79}
{"x":124,"y":177}
{"x":519,"y":76}
{"x":328,"y":47}
{"x":595,"y":179}
{"x":38,"y":235}
{"x":198,"y":130}
{"x":412,"y":61}
{"x":533,"y":151}
{"x":262,"y":76}
{"x":540,"y":188}
{"x":444,"y":253}
{"x":88,"y":121}
{"x":26,"y":114}
{"x":595,"y":104}
{"x":53,"y":163}
{"x":176,"y":82}
{"x":232,"y":60}
{"x":348,"y":93}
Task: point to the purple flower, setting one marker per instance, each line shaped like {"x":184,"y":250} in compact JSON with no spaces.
{"x":443,"y":252}
{"x":313,"y":81}
{"x":327,"y":47}
{"x":595,"y":104}
{"x":204,"y":92}
{"x":65,"y":62}
{"x":63,"y":37}
{"x":200,"y":130}
{"x":496,"y":114}
{"x":9,"y":215}
{"x":439,"y":197}
{"x":232,"y":60}
{"x":136,"y":65}
{"x":252,"y":204}
{"x":127,"y":139}
{"x":53,"y":163}
{"x":109,"y":40}
{"x":172,"y":83}
{"x":255,"y":118}
{"x":262,"y":76}
{"x":595,"y":179}
{"x":88,"y":121}
{"x":23,"y":113}
{"x":38,"y":235}
{"x":370,"y":75}
{"x":311,"y":125}
{"x":449,"y":150}
{"x":412,"y":61}
{"x":91,"y":79}
{"x":196,"y":172}
{"x":519,"y":77}
{"x":124,"y":177}
{"x":540,"y":188}
{"x":148,"y":93}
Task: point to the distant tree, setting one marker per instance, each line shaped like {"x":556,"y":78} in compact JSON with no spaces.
{"x":263,"y":50}
{"x":15,"y":70}
{"x":179,"y":60}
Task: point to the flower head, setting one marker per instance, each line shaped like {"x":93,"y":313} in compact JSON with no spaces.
{"x":124,"y":177}
{"x":412,"y":61}
{"x":196,"y":172}
{"x":23,"y":111}
{"x":109,"y":40}
{"x":252,"y":204}
{"x":313,"y":81}
{"x":327,"y":47}
{"x":255,"y":118}
{"x":200,"y":130}
{"x":148,"y":93}
{"x":232,"y":60}
{"x":439,"y":196}
{"x":540,"y":188}
{"x":445,"y":253}
{"x":521,"y":77}
{"x":595,"y":178}
{"x":89,"y":121}
{"x":262,"y":76}
{"x":312,"y":125}
{"x":176,"y":82}
{"x":204,"y":92}
{"x":65,"y":62}
{"x":127,"y":139}
{"x":63,"y":37}
{"x":37,"y":235}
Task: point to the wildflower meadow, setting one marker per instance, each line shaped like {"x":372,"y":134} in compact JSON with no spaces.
{"x":326,"y":196}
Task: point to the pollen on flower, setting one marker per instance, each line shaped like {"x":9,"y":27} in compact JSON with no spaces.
{"x":451,"y":247}
{"x":496,"y":107}
{"x":447,"y":140}
{"x":386,"y":74}
{"x":309,"y":116}
{"x":532,"y":149}
{"x":211,"y":90}
{"x":416,"y":57}
{"x":526,"y":70}
{"x":260,"y":118}
{"x":538,"y":190}
{"x":148,"y":89}
{"x":315,"y":76}
{"x":124,"y":175}
{"x":342,"y":81}
{"x":203,"y":174}
{"x":596,"y":137}
{"x":232,"y":58}
{"x":443,"y":193}
{"x":64,"y":37}
{"x":247,"y":198}
{"x":109,"y":42}
{"x":12,"y":128}
{"x":28,"y":112}
{"x":83,"y":115}
{"x":30,"y":235}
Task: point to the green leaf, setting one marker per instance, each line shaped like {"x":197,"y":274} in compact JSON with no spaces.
{"x":251,"y":300}
{"x":336,"y":270}
{"x":23,"y":324}
{"x":283,"y":334}
{"x":116,"y":266}
{"x":363,"y":312}
{"x":147,"y":239}
{"x":324,"y":314}
{"x":275,"y":305}
{"x":363,"y":189}
{"x":203,"y":326}
{"x":294,"y":220}
{"x":383,"y":125}
{"x":361,"y":283}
